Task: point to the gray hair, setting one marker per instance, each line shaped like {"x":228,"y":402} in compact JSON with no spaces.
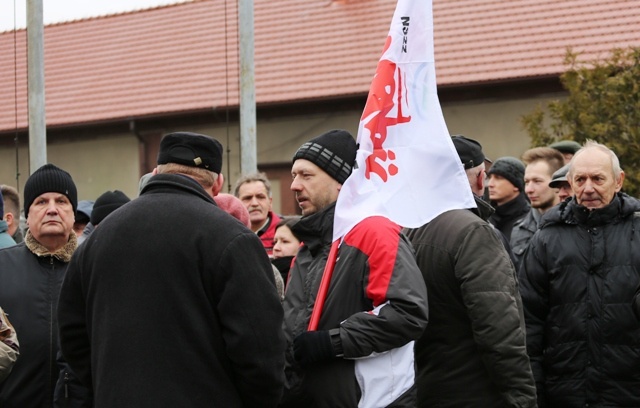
{"x":591,"y":144}
{"x":251,"y":177}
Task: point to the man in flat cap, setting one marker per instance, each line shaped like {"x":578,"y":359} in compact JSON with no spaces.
{"x":568,"y":148}
{"x":376,"y":302}
{"x":182,"y":312}
{"x":467,"y":357}
{"x":31,"y":274}
{"x":561,"y":184}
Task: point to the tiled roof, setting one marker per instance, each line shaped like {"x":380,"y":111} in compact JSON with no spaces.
{"x":171,"y":59}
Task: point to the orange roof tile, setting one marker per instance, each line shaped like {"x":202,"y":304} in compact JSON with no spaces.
{"x":171,"y":59}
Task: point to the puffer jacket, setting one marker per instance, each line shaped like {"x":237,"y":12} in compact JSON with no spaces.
{"x":578,"y":280}
{"x":377,"y":301}
{"x":473,"y":352}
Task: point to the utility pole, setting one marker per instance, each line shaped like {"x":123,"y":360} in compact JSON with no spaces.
{"x":248,"y":143}
{"x":35,"y":78}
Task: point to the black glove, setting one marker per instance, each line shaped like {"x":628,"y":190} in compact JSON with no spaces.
{"x":312,"y":346}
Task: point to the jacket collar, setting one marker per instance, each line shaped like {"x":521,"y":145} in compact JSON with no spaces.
{"x":185,"y":183}
{"x":316,"y":230}
{"x":63,"y":254}
{"x":571,"y":212}
{"x":483,"y":209}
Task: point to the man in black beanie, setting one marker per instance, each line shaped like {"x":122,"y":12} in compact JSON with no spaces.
{"x":376,"y":303}
{"x":194,"y":318}
{"x":107,"y":203}
{"x":31,"y":276}
{"x":506,"y":192}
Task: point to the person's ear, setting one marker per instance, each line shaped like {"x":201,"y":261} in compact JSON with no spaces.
{"x":619,"y":181}
{"x":217,"y":185}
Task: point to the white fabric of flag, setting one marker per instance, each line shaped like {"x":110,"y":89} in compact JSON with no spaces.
{"x":407,"y":168}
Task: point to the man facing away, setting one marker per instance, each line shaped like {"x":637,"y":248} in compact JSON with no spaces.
{"x":473,"y":352}
{"x":30,"y":277}
{"x":376,"y":302}
{"x":541,"y":162}
{"x":183,"y":312}
{"x":578,"y":279}
{"x":254,"y":190}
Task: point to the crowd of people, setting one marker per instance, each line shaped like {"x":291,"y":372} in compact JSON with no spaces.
{"x":530,"y":299}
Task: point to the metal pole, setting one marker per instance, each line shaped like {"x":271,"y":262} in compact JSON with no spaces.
{"x":248,"y":149}
{"x":35,"y":74}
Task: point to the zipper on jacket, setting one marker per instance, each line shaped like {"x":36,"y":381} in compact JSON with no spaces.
{"x":66,"y":384}
{"x":52,"y":362}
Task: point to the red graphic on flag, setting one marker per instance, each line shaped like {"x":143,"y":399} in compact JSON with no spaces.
{"x":380,"y":102}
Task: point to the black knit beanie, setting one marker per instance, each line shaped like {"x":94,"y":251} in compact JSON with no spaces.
{"x":334,"y":152}
{"x":49,"y":179}
{"x":510,"y":168}
{"x":107,"y":203}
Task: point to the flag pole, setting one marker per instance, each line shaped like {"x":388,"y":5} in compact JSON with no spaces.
{"x":324,"y":286}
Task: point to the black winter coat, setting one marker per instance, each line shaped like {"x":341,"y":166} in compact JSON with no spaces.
{"x":578,"y":280}
{"x":171,"y":302}
{"x":30,"y":282}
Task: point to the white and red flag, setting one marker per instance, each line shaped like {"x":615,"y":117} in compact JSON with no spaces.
{"x":407,"y":170}
{"x":407,"y":166}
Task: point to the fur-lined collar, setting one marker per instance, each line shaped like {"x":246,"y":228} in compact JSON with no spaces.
{"x":63,"y":254}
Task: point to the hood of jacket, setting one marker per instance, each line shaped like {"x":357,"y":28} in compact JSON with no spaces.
{"x":570,"y":212}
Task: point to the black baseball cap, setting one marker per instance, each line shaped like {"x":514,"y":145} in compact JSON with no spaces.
{"x":469,"y":151}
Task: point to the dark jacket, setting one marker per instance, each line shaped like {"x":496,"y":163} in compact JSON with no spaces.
{"x":522,"y":233}
{"x":508,"y":214}
{"x":171,"y":302}
{"x":30,"y":280}
{"x":473,"y":351}
{"x":578,"y":280}
{"x":375,"y":269}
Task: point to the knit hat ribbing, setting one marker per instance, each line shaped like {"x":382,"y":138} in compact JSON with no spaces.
{"x":49,"y":179}
{"x":334,"y":152}
{"x":511,"y":169}
{"x":107,"y":203}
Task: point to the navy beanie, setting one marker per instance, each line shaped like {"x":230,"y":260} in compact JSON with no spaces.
{"x":49,"y":179}
{"x":334,"y":152}
{"x":510,"y":168}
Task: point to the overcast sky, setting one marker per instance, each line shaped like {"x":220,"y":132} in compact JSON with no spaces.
{"x":55,"y":11}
